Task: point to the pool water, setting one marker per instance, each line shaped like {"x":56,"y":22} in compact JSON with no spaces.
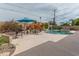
{"x":58,"y":32}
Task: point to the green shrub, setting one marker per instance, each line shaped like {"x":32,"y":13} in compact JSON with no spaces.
{"x":74,"y":28}
{"x":46,"y":25}
{"x":4,"y":39}
{"x":57,"y":27}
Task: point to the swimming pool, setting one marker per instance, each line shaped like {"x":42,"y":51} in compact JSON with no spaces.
{"x":58,"y":32}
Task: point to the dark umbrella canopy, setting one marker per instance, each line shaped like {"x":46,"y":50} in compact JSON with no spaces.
{"x":26,"y":20}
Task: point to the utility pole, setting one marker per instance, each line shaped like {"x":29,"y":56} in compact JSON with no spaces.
{"x":54,"y":19}
{"x":40,"y":19}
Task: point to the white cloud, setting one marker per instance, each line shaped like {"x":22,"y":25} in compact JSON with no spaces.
{"x":35,"y":10}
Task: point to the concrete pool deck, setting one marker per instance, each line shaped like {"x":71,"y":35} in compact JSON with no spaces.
{"x":68,"y":46}
{"x":29,"y":41}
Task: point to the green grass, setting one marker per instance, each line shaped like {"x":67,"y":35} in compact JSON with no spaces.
{"x":4,"y":39}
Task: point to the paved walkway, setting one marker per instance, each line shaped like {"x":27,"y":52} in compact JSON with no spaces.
{"x":29,"y":41}
{"x":68,"y":46}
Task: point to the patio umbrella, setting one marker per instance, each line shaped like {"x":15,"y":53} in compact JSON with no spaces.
{"x":25,"y":20}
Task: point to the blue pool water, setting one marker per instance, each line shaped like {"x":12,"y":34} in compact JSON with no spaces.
{"x":58,"y":32}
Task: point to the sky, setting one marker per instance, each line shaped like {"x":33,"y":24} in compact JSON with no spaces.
{"x":16,"y":11}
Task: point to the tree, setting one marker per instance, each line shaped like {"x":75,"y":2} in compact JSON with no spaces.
{"x":76,"y":21}
{"x":45,"y":25}
{"x":72,"y":22}
{"x":11,"y":27}
{"x":65,"y":24}
{"x":35,"y":22}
